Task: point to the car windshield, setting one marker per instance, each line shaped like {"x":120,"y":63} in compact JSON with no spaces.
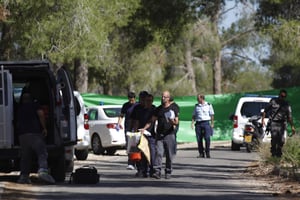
{"x":112,"y":112}
{"x":253,"y":108}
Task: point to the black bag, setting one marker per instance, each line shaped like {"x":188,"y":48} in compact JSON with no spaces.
{"x":85,"y":175}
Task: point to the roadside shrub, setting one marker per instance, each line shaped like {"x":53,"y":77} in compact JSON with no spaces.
{"x":289,"y":163}
{"x":291,"y":153}
{"x":264,"y":152}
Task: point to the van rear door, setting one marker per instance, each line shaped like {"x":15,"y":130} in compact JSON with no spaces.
{"x":6,"y":109}
{"x":68,"y":125}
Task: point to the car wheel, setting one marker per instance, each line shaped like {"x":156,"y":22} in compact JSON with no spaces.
{"x":81,"y":154}
{"x":235,"y":147}
{"x":97,"y":145}
{"x":111,"y":151}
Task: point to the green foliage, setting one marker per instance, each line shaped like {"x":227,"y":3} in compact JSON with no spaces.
{"x":286,"y":43}
{"x":126,"y":44}
{"x":246,"y":77}
{"x":146,"y":73}
{"x":66,"y":30}
{"x":280,"y":21}
{"x":290,"y":159}
{"x":291,"y":152}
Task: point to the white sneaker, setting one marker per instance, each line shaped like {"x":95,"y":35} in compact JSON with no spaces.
{"x":130,"y":167}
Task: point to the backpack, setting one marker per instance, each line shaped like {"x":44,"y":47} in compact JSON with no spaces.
{"x":86,"y":174}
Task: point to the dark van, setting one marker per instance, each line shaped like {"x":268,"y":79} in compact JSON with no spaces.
{"x":54,"y":92}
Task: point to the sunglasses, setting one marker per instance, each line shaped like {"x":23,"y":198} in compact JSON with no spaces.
{"x":283,"y":96}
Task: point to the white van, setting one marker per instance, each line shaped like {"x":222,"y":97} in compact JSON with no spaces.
{"x":54,"y":92}
{"x":83,"y":134}
{"x":247,"y":106}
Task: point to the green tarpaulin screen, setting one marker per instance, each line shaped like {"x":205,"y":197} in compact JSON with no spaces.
{"x":224,"y":106}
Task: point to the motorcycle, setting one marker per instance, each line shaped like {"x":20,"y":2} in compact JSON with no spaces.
{"x":253,"y":133}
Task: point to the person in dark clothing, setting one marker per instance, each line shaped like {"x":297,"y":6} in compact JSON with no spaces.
{"x":31,"y":129}
{"x":126,"y":111}
{"x":141,"y":116}
{"x":166,"y":119}
{"x":280,"y":113}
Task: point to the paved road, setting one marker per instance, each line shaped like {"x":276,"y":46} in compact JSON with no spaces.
{"x":218,"y":178}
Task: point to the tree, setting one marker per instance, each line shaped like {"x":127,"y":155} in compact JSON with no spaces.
{"x":280,"y":21}
{"x":188,"y":59}
{"x":203,"y":48}
{"x":66,"y":32}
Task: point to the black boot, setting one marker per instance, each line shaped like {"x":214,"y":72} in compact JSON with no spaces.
{"x":207,"y":155}
{"x":201,"y":155}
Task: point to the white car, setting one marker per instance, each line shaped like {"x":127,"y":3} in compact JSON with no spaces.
{"x":106,"y":136}
{"x":83,"y":135}
{"x":247,"y":107}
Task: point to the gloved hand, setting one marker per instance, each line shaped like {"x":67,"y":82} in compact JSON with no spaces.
{"x":117,"y":127}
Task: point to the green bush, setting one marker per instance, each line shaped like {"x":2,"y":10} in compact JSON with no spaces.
{"x":291,"y":152}
{"x":289,"y":163}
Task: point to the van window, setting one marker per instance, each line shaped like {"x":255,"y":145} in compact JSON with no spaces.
{"x":252,"y":108}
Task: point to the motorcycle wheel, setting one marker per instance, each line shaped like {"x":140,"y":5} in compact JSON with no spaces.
{"x":249,"y":147}
{"x":253,"y":145}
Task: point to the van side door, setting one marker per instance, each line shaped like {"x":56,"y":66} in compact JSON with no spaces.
{"x":68,"y":125}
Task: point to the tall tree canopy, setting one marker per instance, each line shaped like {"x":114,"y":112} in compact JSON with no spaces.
{"x":280,"y":20}
{"x":121,"y":45}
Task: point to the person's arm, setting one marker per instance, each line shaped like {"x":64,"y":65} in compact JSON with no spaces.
{"x":175,"y":121}
{"x":153,"y":119}
{"x":120,"y":118}
{"x":193,"y":122}
{"x":263,"y":115}
{"x":42,"y":119}
{"x":212,"y":121}
{"x":212,"y":115}
{"x":290,"y":120}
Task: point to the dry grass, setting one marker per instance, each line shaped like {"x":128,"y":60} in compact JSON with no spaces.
{"x":278,"y":173}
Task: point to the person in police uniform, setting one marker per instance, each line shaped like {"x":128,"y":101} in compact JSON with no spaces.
{"x":280,"y":113}
{"x":203,"y":120}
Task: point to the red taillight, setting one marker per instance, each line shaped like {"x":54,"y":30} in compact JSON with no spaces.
{"x":86,"y":120}
{"x":114,"y":126}
{"x":111,"y":125}
{"x":249,"y":129}
{"x":235,"y":121}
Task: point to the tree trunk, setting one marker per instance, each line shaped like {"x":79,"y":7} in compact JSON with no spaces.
{"x":80,"y":75}
{"x":189,"y":67}
{"x":107,"y":89}
{"x":217,"y":54}
{"x":5,"y":41}
{"x":217,"y":72}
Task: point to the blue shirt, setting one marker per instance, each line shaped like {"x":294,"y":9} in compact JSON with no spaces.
{"x":203,"y":112}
